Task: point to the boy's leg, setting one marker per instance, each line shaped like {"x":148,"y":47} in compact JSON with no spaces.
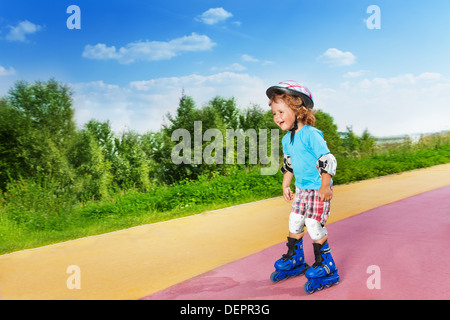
{"x":316,"y":231}
{"x":296,"y":236}
{"x":295,"y":255}
{"x":322,"y":241}
{"x":293,"y":262}
{"x":324,"y":263}
{"x":296,"y":225}
{"x":323,"y":273}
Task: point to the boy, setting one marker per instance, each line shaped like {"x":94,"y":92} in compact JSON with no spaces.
{"x":308,"y":159}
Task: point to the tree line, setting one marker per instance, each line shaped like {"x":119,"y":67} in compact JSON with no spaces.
{"x":40,"y":142}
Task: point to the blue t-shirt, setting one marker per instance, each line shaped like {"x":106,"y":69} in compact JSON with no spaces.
{"x":308,"y":146}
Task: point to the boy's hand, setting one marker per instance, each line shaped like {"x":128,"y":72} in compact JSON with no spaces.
{"x":288,"y":195}
{"x":287,"y":192}
{"x":325,"y":193}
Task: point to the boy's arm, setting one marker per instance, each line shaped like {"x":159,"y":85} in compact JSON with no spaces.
{"x":326,"y":165}
{"x":325,"y":193}
{"x":287,"y":192}
{"x":288,"y":174}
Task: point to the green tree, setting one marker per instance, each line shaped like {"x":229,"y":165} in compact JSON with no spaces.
{"x":10,"y":166}
{"x":254,"y":117}
{"x":226,"y":110}
{"x":184,"y":118}
{"x":93,"y":176}
{"x":36,"y":129}
{"x":367,"y":144}
{"x":153,"y":145}
{"x":358,"y":147}
{"x":47,"y":106}
{"x":325,"y":123}
{"x":104,"y":136}
{"x":351,"y":144}
{"x":130,"y":164}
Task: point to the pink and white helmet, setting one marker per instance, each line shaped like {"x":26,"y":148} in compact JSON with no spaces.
{"x":293,"y":88}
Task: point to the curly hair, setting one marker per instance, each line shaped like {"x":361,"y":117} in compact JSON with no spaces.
{"x":305,"y":115}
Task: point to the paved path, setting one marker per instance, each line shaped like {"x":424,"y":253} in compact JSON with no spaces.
{"x":396,"y":251}
{"x":146,"y":260}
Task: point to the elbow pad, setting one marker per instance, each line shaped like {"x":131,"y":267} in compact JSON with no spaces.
{"x":287,"y":166}
{"x":327,"y":164}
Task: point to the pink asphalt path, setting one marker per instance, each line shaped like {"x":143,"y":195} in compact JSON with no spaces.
{"x":407,"y":240}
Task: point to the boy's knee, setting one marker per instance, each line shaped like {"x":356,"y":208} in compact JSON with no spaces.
{"x":315,"y":229}
{"x":296,"y":223}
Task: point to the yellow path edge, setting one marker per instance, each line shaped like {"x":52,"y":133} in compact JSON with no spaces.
{"x":135,"y":262}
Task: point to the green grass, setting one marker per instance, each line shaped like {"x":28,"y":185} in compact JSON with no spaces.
{"x":351,"y":170}
{"x":32,"y":214}
{"x":26,"y":223}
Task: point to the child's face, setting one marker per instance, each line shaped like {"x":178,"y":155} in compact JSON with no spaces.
{"x":283,"y":116}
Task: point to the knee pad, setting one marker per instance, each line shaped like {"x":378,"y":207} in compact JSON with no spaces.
{"x":296,"y":223}
{"x":315,"y":229}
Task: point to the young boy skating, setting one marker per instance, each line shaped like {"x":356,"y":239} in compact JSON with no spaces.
{"x":308,"y":159}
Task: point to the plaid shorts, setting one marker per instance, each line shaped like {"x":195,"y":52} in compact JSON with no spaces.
{"x":307,"y":203}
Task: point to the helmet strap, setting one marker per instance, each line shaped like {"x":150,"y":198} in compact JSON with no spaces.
{"x":294,"y":129}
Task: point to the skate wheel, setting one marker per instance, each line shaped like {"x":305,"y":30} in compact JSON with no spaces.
{"x":274,"y":276}
{"x":308,"y":287}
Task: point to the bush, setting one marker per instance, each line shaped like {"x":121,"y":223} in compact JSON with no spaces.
{"x":351,"y":169}
{"x":36,"y":206}
{"x":237,"y":187}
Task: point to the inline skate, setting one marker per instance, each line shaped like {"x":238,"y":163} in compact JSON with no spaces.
{"x":323,"y":273}
{"x":292,"y":263}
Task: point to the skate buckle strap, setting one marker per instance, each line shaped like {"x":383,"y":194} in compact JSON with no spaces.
{"x":323,"y":265}
{"x":286,"y":257}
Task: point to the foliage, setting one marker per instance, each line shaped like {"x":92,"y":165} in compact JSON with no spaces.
{"x":36,"y":128}
{"x":38,"y":206}
{"x":59,"y":182}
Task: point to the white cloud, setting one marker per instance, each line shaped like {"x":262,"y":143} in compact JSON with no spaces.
{"x":407,"y":80}
{"x":267,"y":62}
{"x":23,"y":28}
{"x":232,"y":67}
{"x":235,"y":67}
{"x":149,"y":50}
{"x":355,"y":74}
{"x":401,"y":104}
{"x":337,"y":58}
{"x":430,"y":76}
{"x":7,"y":72}
{"x":100,"y":52}
{"x":248,"y":58}
{"x":214,"y":15}
{"x":142,"y":105}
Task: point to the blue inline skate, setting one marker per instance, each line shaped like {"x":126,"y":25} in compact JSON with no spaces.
{"x":292,"y":263}
{"x":323,"y":273}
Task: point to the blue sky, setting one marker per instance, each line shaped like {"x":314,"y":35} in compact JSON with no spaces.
{"x":131,"y":60}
